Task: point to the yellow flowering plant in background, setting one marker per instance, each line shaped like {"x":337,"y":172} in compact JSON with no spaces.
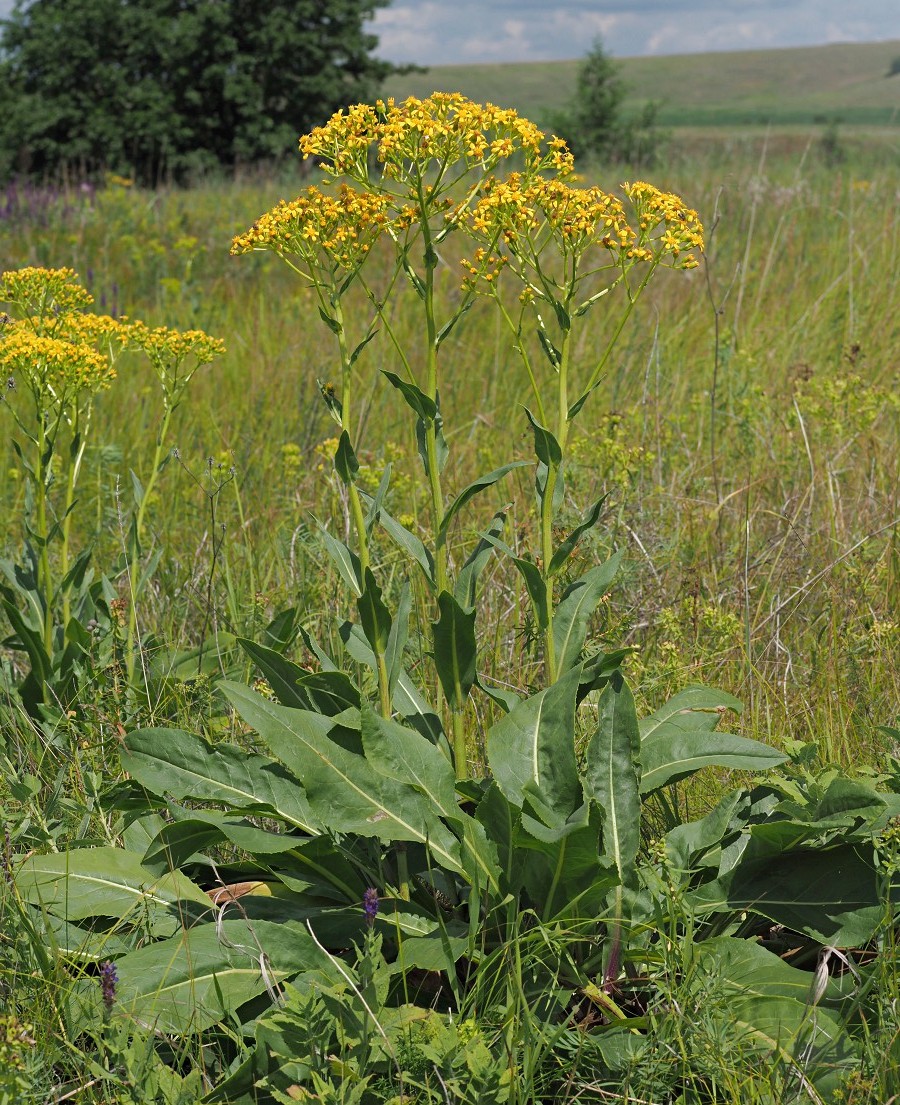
{"x":420,"y":171}
{"x":57,"y":357}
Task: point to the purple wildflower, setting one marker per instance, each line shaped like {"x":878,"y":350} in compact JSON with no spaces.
{"x":370,"y":905}
{"x":109,"y":980}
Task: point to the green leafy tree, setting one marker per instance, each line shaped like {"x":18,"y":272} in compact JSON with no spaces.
{"x":163,"y":88}
{"x":595,"y":125}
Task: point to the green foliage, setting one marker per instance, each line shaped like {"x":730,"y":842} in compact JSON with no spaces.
{"x":165,"y":90}
{"x":595,"y":122}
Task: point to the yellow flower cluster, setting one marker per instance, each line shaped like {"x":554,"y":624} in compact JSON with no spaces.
{"x":444,"y":131}
{"x":168,"y":349}
{"x":53,"y":367}
{"x":325,"y":231}
{"x":526,"y":215}
{"x":666,"y":226}
{"x":39,"y":292}
{"x":576,"y":217}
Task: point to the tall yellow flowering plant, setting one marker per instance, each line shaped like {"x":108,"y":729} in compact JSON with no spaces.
{"x":57,"y":357}
{"x":427,"y":169}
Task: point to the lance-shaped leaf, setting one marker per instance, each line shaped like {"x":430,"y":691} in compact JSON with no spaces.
{"x":567,"y":547}
{"x":535,"y":584}
{"x":695,"y":707}
{"x":329,"y":692}
{"x":373,"y":614}
{"x":193,"y":980}
{"x":345,"y":463}
{"x":198,"y":830}
{"x":393,"y":653}
{"x":401,"y":753}
{"x":344,"y":559}
{"x":546,"y":447}
{"x":672,"y":755}
{"x":343,"y":789}
{"x":183,"y":766}
{"x":532,"y":749}
{"x":467,"y":578}
{"x":612,"y":770}
{"x":470,"y":492}
{"x":441,"y":449}
{"x":454,"y":649}
{"x":408,"y":699}
{"x":109,"y":882}
{"x":579,"y":601}
{"x":424,"y":407}
{"x":406,"y":540}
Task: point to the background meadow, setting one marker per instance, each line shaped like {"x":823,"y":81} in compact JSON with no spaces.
{"x":747,"y":428}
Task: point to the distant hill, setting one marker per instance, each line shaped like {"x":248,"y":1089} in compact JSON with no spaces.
{"x":846,"y":82}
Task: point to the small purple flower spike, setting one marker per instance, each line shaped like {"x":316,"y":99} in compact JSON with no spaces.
{"x":109,"y":980}
{"x":370,"y":905}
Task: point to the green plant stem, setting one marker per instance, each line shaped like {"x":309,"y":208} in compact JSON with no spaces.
{"x":71,"y":480}
{"x":45,"y":580}
{"x":134,"y":565}
{"x":460,"y":756}
{"x":431,"y":390}
{"x":356,"y":510}
{"x":547,"y":513}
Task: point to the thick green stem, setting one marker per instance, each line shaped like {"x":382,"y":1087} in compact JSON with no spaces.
{"x":71,"y":480}
{"x":547,"y":512}
{"x":45,"y":581}
{"x":356,"y":510}
{"x":460,"y":755}
{"x":431,"y":390}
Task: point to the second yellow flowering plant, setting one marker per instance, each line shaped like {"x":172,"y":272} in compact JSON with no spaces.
{"x":407,"y":176}
{"x":57,"y":357}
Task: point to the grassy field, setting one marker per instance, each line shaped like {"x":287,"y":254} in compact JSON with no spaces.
{"x":846,"y":82}
{"x":746,"y":433}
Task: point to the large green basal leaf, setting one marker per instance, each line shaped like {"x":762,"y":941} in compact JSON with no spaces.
{"x":196,"y":831}
{"x":110,"y":882}
{"x":694,"y":707}
{"x":344,"y":791}
{"x":180,"y":765}
{"x":532,"y":749}
{"x":769,"y":1005}
{"x":829,"y":894}
{"x":200,"y":977}
{"x":674,"y":753}
{"x":612,"y":770}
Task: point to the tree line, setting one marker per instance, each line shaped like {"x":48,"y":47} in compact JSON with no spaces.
{"x":166,"y":89}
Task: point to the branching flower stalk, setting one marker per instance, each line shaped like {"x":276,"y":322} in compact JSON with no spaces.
{"x":175,"y":357}
{"x":326,"y":239}
{"x":419,"y":155}
{"x":50,"y":351}
{"x":569,"y":248}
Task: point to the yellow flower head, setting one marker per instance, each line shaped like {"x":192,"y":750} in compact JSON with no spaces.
{"x":667,"y":228}
{"x":53,"y":368}
{"x":445,"y":133}
{"x":40,"y":292}
{"x":327,"y":232}
{"x":162,"y":343}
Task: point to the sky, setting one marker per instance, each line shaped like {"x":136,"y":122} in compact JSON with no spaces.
{"x":444,"y":32}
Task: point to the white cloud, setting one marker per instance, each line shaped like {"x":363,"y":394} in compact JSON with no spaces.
{"x":529,"y":30}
